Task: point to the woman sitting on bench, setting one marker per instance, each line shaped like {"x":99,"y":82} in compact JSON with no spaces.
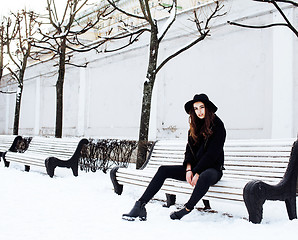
{"x":203,"y":162}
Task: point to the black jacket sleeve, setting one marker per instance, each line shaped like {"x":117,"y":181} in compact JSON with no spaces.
{"x":188,"y":156}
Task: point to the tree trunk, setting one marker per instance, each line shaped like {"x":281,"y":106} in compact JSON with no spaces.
{"x":1,"y":52}
{"x":147,"y":96}
{"x":17,"y":109}
{"x":20,"y":92}
{"x":59,"y":91}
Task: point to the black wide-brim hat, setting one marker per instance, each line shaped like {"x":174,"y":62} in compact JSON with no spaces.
{"x":200,"y":98}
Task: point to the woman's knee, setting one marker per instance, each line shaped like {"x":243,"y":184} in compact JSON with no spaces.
{"x":208,"y":177}
{"x":162,"y":169}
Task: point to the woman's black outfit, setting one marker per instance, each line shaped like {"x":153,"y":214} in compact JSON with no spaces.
{"x":206,"y":159}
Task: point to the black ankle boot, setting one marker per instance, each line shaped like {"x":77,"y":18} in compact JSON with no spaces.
{"x":179,"y":214}
{"x":138,"y":210}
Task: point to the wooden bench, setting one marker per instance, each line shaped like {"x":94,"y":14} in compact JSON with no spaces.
{"x":8,"y":143}
{"x":49,"y":153}
{"x":245,"y":160}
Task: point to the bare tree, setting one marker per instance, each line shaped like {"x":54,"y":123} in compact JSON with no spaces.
{"x":287,"y":23}
{"x":20,"y":28}
{"x":2,"y":42}
{"x":64,"y":37}
{"x":157,"y":35}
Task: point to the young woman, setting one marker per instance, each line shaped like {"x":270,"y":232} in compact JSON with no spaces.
{"x":203,"y":162}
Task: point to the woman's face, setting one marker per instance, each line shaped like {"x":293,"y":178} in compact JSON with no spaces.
{"x":199,"y":108}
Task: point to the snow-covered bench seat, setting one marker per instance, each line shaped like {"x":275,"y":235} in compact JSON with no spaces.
{"x":49,"y":153}
{"x":245,"y":160}
{"x":8,"y":143}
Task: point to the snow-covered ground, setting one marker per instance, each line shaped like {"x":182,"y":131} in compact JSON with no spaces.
{"x":35,"y":206}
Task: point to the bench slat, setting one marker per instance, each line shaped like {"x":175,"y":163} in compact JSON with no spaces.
{"x":229,"y":154}
{"x":29,"y":162}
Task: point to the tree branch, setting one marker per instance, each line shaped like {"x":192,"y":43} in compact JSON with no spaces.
{"x":7,"y":92}
{"x":75,"y":65}
{"x":287,"y":24}
{"x":72,"y":13}
{"x":65,"y":11}
{"x":213,"y":15}
{"x":131,"y":41}
{"x":44,"y":61}
{"x":203,"y":34}
{"x":9,"y":51}
{"x":50,"y":15}
{"x":183,"y":49}
{"x":142,"y":6}
{"x":283,"y":1}
{"x":46,"y":48}
{"x":170,"y":21}
{"x":88,"y":26}
{"x":258,"y":27}
{"x":124,"y":12}
{"x":86,"y":48}
{"x":285,"y":18}
{"x":147,"y":12}
{"x":15,"y":76}
{"x":122,"y":36}
{"x":79,"y":8}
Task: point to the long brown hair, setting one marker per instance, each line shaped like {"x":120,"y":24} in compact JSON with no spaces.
{"x":200,"y":127}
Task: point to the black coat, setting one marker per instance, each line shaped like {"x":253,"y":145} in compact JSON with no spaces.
{"x":208,"y":153}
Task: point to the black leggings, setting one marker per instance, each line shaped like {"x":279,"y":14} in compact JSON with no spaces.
{"x":206,"y":179}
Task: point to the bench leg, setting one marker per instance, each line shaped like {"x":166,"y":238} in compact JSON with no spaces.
{"x":6,"y":163}
{"x":27,"y":168}
{"x":50,"y":166}
{"x":171,"y":200}
{"x":118,"y":188}
{"x":75,"y":169}
{"x":253,"y":198}
{"x":291,"y":207}
{"x":206,"y":204}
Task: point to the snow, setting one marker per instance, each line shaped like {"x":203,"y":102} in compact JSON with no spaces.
{"x":168,"y":23}
{"x":35,"y":206}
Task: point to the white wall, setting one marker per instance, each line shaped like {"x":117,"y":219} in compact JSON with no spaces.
{"x":238,"y":68}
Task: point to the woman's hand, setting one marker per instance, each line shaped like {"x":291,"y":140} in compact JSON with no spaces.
{"x":194,"y":180}
{"x":189,"y":176}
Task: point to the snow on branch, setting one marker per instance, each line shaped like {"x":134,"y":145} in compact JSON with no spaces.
{"x":169,"y":21}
